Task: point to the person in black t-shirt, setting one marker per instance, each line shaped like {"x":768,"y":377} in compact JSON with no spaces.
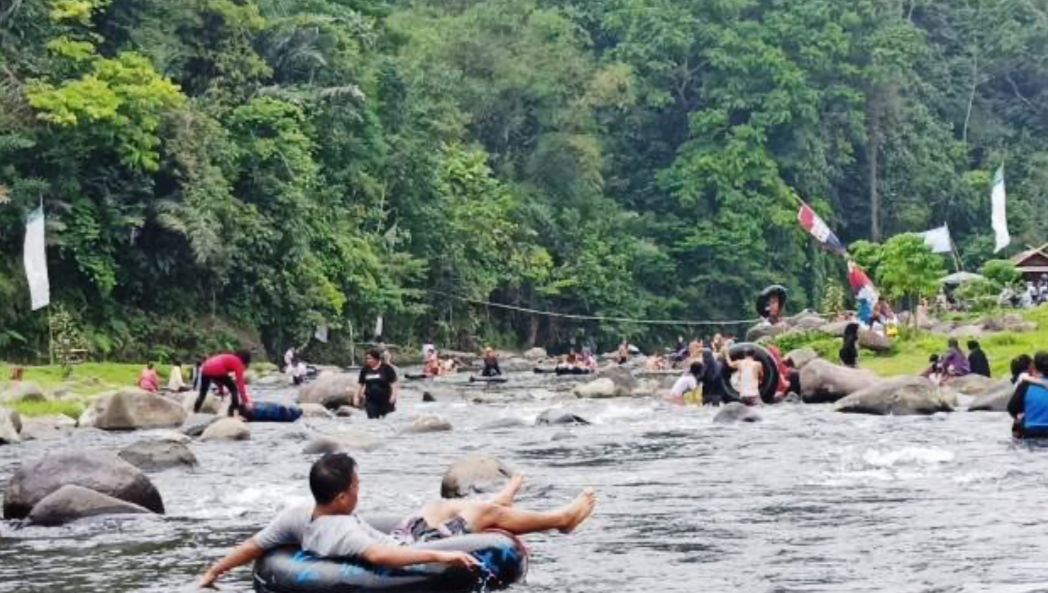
{"x":378,"y":389}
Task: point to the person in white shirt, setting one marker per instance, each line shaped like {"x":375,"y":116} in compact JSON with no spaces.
{"x":175,"y":382}
{"x":686,"y":389}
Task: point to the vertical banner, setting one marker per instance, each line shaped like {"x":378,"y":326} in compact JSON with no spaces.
{"x":1000,"y":212}
{"x":35,"y":259}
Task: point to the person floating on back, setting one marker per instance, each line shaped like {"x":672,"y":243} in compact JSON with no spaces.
{"x":977,"y":361}
{"x":377,"y":389}
{"x":331,"y":528}
{"x":227,"y":371}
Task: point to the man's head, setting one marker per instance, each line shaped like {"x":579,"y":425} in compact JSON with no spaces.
{"x":244,"y":356}
{"x":334,"y":483}
{"x":373,"y":357}
{"x":1040,"y":363}
{"x":973,"y":345}
{"x":933,"y":359}
{"x":696,"y":369}
{"x":748,"y":353}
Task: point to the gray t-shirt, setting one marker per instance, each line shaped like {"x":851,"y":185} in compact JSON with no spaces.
{"x":333,"y":536}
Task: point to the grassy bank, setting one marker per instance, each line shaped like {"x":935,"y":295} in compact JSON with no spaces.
{"x":77,"y":390}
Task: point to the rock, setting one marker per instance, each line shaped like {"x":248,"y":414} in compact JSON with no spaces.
{"x":596,"y":389}
{"x":474,"y":474}
{"x":157,"y":455}
{"x":226,"y":429}
{"x":624,"y":380}
{"x":516,"y":365}
{"x":834,"y":328}
{"x":808,"y":322}
{"x":764,"y":330}
{"x":1010,"y":322}
{"x":995,"y":399}
{"x":342,"y":442}
{"x":801,"y":357}
{"x":196,"y":424}
{"x":898,"y":396}
{"x":45,"y":428}
{"x":71,"y":502}
{"x":315,"y":411}
{"x":822,"y":381}
{"x":24,"y":391}
{"x":972,"y":384}
{"x":966,"y":331}
{"x":502,"y":423}
{"x":331,"y":391}
{"x":534,"y":354}
{"x":212,"y":403}
{"x":736,"y":412}
{"x":429,"y":424}
{"x":136,"y":409}
{"x":10,"y":425}
{"x":428,"y":398}
{"x":556,"y":417}
{"x":87,"y":418}
{"x":100,"y":471}
{"x":344,"y":412}
{"x":170,"y":436}
{"x":871,"y":340}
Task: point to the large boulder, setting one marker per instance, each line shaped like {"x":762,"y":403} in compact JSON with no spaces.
{"x":474,"y":474}
{"x":24,"y":391}
{"x":158,"y":455}
{"x":87,"y":418}
{"x":766,"y":330}
{"x":1010,"y":322}
{"x":966,"y":331}
{"x":196,"y":424}
{"x":341,"y":442}
{"x":597,"y":389}
{"x":554,"y":416}
{"x":801,"y":357}
{"x":975,"y":385}
{"x":994,"y":399}
{"x":212,"y":403}
{"x":10,"y":426}
{"x":45,"y":428}
{"x":331,"y":391}
{"x":898,"y":396}
{"x":624,"y":380}
{"x":100,"y":471}
{"x":822,"y":381}
{"x":226,"y":429}
{"x":834,"y":328}
{"x":736,"y":412}
{"x":70,"y":503}
{"x":135,"y":409}
{"x":877,"y":342}
{"x":429,"y":423}
{"x":534,"y":354}
{"x":808,"y":322}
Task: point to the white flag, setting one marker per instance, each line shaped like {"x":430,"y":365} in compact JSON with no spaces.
{"x":938,"y":239}
{"x":1000,"y":213}
{"x":378,"y":327}
{"x":35,"y":258}
{"x":321,"y":334}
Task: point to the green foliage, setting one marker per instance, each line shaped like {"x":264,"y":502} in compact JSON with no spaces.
{"x":30,"y":409}
{"x":67,"y":339}
{"x":833,"y":300}
{"x":1000,"y":273}
{"x":908,"y":268}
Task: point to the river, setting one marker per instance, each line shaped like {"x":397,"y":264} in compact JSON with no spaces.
{"x":807,"y":500}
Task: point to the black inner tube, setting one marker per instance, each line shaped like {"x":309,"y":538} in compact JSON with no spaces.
{"x":770,"y":384}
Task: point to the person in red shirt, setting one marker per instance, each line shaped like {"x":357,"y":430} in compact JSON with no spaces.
{"x":218,"y":369}
{"x":148,"y":380}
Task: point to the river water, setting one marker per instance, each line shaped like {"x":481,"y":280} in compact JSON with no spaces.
{"x":807,"y":500}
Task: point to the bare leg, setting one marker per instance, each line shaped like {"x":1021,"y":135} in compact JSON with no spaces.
{"x":483,"y":516}
{"x":509,"y":493}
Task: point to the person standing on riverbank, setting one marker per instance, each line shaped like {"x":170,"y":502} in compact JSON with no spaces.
{"x":227,"y":371}
{"x":377,"y":389}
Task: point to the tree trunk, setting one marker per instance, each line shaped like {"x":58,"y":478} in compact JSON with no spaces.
{"x":533,"y":331}
{"x":873,"y":147}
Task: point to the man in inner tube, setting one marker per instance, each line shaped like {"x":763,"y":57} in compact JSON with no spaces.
{"x":331,"y":527}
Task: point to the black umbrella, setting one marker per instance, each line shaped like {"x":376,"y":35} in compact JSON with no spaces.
{"x":765,"y":296}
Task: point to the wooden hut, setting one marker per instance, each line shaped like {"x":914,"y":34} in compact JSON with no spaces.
{"x":1032,"y":263}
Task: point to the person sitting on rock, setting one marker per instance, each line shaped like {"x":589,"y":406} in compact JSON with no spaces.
{"x":175,"y":382}
{"x":491,"y":364}
{"x":226,"y":371}
{"x":623,"y":353}
{"x":977,"y":361}
{"x":934,"y":370}
{"x":955,"y":364}
{"x":330,"y":526}
{"x":148,"y":379}
{"x":297,"y":371}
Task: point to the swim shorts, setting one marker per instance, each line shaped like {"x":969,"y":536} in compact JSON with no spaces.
{"x":415,"y":530}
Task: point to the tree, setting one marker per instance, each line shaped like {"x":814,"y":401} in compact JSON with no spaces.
{"x":908,"y":268}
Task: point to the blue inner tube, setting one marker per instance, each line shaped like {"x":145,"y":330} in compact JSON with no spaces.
{"x":290,"y":570}
{"x":771,"y":372}
{"x":272,"y":412}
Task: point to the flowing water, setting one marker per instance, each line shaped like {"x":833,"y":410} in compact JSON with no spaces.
{"x":807,"y":500}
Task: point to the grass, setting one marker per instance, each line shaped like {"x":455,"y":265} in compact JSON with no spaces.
{"x":29,"y":409}
{"x":89,"y":378}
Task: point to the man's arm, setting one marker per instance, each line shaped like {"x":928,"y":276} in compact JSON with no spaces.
{"x":398,"y":556}
{"x":1017,"y":404}
{"x":358,"y":397}
{"x":249,"y":551}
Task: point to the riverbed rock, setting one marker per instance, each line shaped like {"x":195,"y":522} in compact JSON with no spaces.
{"x":808,"y":322}
{"x":331,"y":391}
{"x":315,"y":411}
{"x":801,"y":356}
{"x":157,"y":455}
{"x":822,"y":381}
{"x":10,"y":425}
{"x":995,"y":399}
{"x":765,"y":330}
{"x":226,"y":429}
{"x":876,"y":342}
{"x":624,"y":380}
{"x":71,"y":502}
{"x":87,"y":418}
{"x":736,"y":412}
{"x":429,"y":423}
{"x":196,"y":424}
{"x":898,"y":396}
{"x":834,"y":328}
{"x":46,"y":428}
{"x":100,"y":471}
{"x":212,"y":403}
{"x":597,"y":389}
{"x":341,"y":442}
{"x":975,"y":385}
{"x":345,"y":412}
{"x":554,"y":416}
{"x":133,"y":409}
{"x":966,"y":331}
{"x":474,"y":474}
{"x":534,"y":354}
{"x":24,"y":391}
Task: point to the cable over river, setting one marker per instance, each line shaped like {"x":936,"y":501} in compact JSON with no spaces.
{"x":807,"y":500}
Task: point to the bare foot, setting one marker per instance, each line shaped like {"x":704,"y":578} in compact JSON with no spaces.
{"x":506,"y":497}
{"x":579,"y":510}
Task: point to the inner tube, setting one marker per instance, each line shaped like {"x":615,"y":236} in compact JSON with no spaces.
{"x":271,"y":412}
{"x":564,"y":371}
{"x":770,"y":384}
{"x":495,"y":379}
{"x":416,"y":376}
{"x":765,"y":296}
{"x":291,"y":570}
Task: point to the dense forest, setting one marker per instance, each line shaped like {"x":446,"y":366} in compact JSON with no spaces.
{"x":219,"y":169}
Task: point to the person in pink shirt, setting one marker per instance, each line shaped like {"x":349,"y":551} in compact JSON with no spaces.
{"x":148,"y":380}
{"x":226,"y":370}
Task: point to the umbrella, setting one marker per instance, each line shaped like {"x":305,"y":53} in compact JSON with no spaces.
{"x":765,"y":296}
{"x":961,"y":278}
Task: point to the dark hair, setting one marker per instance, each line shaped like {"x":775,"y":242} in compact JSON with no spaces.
{"x":973,"y":345}
{"x":330,"y":476}
{"x":1040,"y":362}
{"x":952,"y":343}
{"x":934,"y":358}
{"x":1019,"y":365}
{"x":851,"y":331}
{"x":749,"y":353}
{"x":375,"y":353}
{"x":149,"y":365}
{"x":696,"y":368}
{"x":244,"y":356}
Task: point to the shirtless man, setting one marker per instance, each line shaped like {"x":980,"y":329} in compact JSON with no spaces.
{"x":751,"y":374}
{"x":331,"y":527}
